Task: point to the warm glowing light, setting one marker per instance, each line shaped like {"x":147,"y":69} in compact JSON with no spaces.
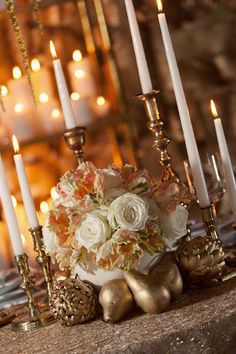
{"x":43,"y":97}
{"x":75,"y":96}
{"x":54,"y":194}
{"x":14,"y":202}
{"x":35,"y":65}
{"x":77,"y":56}
{"x":4,"y":90}
{"x":19,"y":107}
{"x":213,"y":109}
{"x":16,"y":72}
{"x":53,"y":50}
{"x":101,"y":101}
{"x":15,"y":144}
{"x":55,"y":113}
{"x":159,"y":5}
{"x":44,"y":207}
{"x":79,"y":74}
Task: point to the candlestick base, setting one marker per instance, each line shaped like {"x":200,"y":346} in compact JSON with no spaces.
{"x":155,"y":124}
{"x":43,"y":259}
{"x":75,"y":140}
{"x":25,"y":322}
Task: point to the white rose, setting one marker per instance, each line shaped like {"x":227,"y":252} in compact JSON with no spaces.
{"x":174,"y":224}
{"x":94,"y":230}
{"x":129,"y":211}
{"x":49,"y":238}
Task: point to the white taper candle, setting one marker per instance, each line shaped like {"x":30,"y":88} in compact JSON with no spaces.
{"x":24,"y":186}
{"x":10,"y":214}
{"x":191,"y":145}
{"x":144,"y":74}
{"x":226,"y":160}
{"x":63,"y":90}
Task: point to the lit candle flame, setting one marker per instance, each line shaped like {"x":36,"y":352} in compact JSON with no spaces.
{"x":53,"y":50}
{"x":16,"y":72}
{"x":4,"y":90}
{"x":159,"y":5}
{"x":54,"y":194}
{"x":101,"y":101}
{"x":75,"y":96}
{"x":19,"y":107}
{"x":15,"y":144}
{"x":43,"y":97}
{"x":44,"y":207}
{"x":213,"y":109}
{"x":77,"y":55}
{"x":35,"y":65}
{"x":14,"y":201}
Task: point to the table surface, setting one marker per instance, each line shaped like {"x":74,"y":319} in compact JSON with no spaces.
{"x":200,"y":321}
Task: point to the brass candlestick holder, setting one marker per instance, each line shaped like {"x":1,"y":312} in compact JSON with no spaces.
{"x":155,"y":124}
{"x":75,"y":140}
{"x":43,"y":259}
{"x":27,"y":321}
{"x":32,"y":318}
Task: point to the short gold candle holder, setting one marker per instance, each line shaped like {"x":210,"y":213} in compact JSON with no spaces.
{"x":75,"y":140}
{"x":155,"y":124}
{"x":43,"y":259}
{"x":32,"y":318}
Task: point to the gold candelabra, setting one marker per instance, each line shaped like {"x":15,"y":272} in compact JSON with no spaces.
{"x":75,"y":140}
{"x":43,"y":259}
{"x":155,"y":124}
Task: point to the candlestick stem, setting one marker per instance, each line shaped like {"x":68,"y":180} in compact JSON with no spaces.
{"x":155,"y":124}
{"x":75,"y":140}
{"x":43,"y":259}
{"x":27,"y":284}
{"x":208,"y":219}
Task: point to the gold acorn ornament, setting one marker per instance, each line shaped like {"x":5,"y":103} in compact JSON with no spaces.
{"x":153,"y":292}
{"x":116,"y":300}
{"x":201,"y":260}
{"x":73,"y":302}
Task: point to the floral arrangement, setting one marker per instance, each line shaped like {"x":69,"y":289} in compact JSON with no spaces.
{"x":108,"y":218}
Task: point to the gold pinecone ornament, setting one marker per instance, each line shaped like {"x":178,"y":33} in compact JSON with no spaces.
{"x":73,"y":302}
{"x":200,"y":260}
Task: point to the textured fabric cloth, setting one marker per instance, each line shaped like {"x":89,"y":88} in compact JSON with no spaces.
{"x":201,"y":321}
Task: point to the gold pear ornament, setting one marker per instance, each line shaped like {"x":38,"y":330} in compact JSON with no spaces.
{"x":153,"y":292}
{"x":116,"y":300}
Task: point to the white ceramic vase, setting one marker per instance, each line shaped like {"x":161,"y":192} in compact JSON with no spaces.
{"x":99,"y":277}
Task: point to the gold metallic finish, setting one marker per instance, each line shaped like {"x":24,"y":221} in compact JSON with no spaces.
{"x":27,"y":284}
{"x":43,"y":259}
{"x":208,"y":219}
{"x":153,"y":292}
{"x":24,"y":322}
{"x":87,"y":30}
{"x":75,"y":140}
{"x":201,"y":260}
{"x":73,"y":302}
{"x":116,"y":300}
{"x":155,"y":124}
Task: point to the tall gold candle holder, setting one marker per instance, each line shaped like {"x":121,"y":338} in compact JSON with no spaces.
{"x":75,"y":140}
{"x":43,"y":259}
{"x":155,"y":124}
{"x":200,"y":259}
